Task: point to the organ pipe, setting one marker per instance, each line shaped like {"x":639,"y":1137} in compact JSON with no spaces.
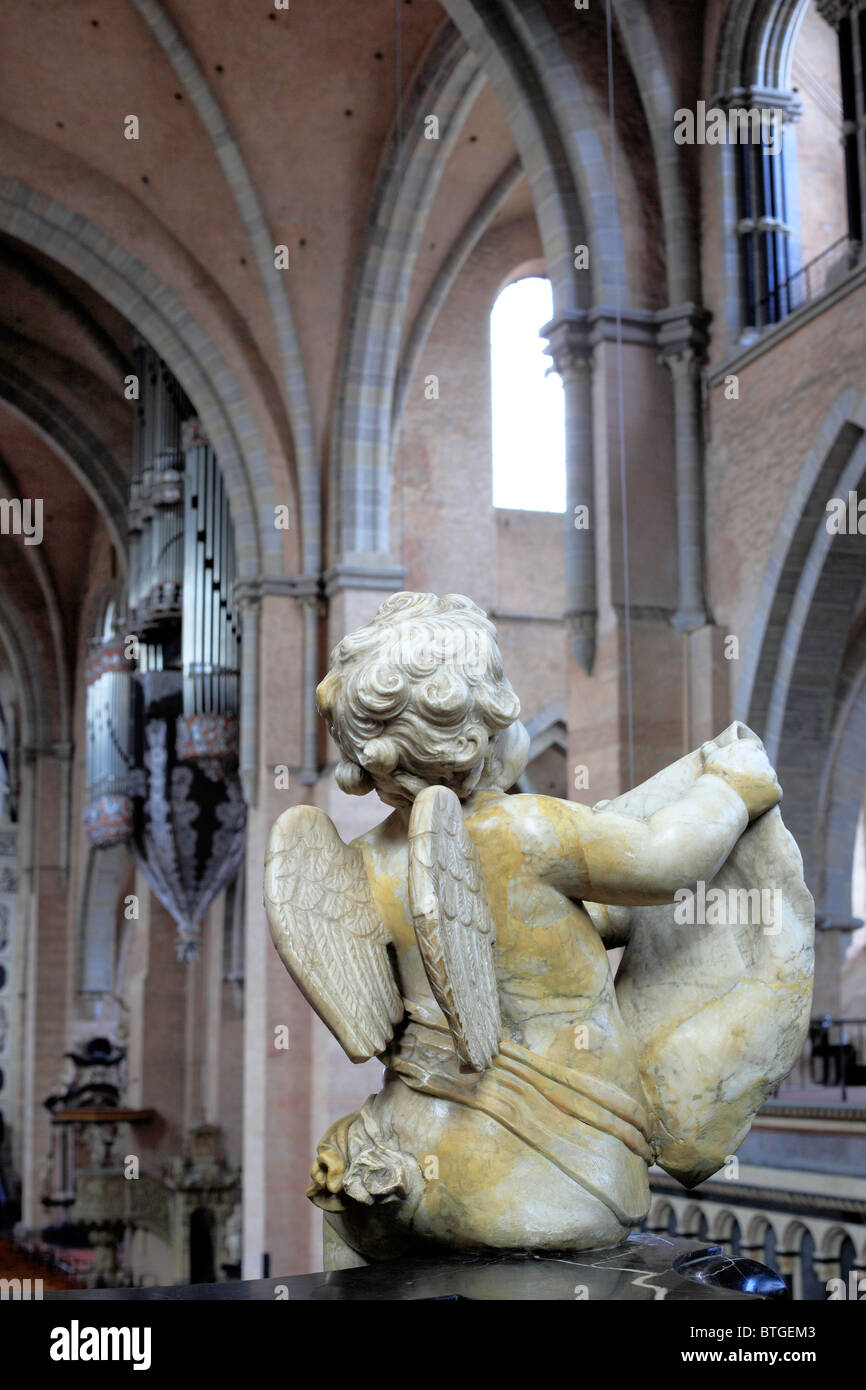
{"x":182,"y":613}
{"x":156,"y":507}
{"x":108,"y":810}
{"x":210,"y":633}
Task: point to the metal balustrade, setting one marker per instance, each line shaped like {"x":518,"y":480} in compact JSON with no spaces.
{"x":834,"y":1058}
{"x":807,"y":283}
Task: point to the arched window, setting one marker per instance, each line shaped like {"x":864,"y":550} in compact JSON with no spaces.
{"x":853,"y":986}
{"x":527,"y":402}
{"x":781,"y":153}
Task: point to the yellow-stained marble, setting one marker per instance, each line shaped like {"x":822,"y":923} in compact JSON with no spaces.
{"x":472,"y":914}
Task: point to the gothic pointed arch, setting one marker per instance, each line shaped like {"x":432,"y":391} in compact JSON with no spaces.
{"x":87,"y":458}
{"x":660,"y":101}
{"x":758,"y":198}
{"x":447,"y":85}
{"x":243,"y":190}
{"x":151,"y":307}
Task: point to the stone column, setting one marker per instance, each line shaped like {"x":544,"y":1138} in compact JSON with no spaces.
{"x":832,"y":939}
{"x":572,"y":353}
{"x":44,"y":889}
{"x":277,"y":1139}
{"x":64,"y":751}
{"x":212,"y":976}
{"x":682,"y":339}
{"x":135,"y":994}
{"x":248,"y":600}
{"x":249,"y":593}
{"x":308,"y":593}
{"x":845,"y":17}
{"x":12,"y":947}
{"x":789,"y":175}
{"x":791,"y":1271}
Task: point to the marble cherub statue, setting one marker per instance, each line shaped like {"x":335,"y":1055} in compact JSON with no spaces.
{"x":464,"y":942}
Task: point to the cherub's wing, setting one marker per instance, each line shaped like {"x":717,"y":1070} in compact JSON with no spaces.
{"x":454,"y":925}
{"x":328,"y":933}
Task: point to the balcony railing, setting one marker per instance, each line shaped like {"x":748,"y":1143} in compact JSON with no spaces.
{"x":833,"y":1059}
{"x":807,"y":283}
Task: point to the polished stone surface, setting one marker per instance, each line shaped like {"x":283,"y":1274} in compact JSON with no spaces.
{"x":643,"y":1268}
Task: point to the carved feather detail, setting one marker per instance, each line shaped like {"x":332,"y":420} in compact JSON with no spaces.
{"x":453,"y":925}
{"x":328,"y":933}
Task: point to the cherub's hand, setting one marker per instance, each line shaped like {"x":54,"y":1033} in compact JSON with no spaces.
{"x":746,"y":768}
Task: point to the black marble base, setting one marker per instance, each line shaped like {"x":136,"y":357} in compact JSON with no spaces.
{"x":645,"y":1267}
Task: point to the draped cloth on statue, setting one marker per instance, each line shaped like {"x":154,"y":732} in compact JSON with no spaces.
{"x":588,"y":1127}
{"x":718,"y":1008}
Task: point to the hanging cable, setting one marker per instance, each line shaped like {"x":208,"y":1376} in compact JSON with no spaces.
{"x":626,"y":586}
{"x":398,"y":80}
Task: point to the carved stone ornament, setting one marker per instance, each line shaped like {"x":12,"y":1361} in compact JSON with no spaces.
{"x":464,"y":941}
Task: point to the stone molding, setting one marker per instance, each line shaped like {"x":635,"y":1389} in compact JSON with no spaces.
{"x":769,"y":98}
{"x":827,"y":922}
{"x":388,"y":578}
{"x":250,"y":592}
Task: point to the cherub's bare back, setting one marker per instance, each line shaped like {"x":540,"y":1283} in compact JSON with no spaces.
{"x":556,"y":988}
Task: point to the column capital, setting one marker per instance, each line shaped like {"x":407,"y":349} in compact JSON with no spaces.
{"x":569,"y":341}
{"x":304,"y":588}
{"x":826,"y":921}
{"x":683,"y":335}
{"x":248,"y":593}
{"x":61,"y":749}
{"x":637,"y":326}
{"x":763,"y":98}
{"x":581,"y":628}
{"x":378,"y":572}
{"x":573,"y":336}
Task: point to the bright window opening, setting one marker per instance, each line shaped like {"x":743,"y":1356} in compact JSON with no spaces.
{"x":527,"y":402}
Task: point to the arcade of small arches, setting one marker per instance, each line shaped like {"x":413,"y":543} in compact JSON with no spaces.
{"x":809,"y":1253}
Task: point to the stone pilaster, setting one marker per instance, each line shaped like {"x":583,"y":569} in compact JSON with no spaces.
{"x":249,"y":603}
{"x":682,"y":339}
{"x":845,"y":16}
{"x":570,"y":347}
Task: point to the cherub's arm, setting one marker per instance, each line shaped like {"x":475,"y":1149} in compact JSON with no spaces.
{"x":608,"y":857}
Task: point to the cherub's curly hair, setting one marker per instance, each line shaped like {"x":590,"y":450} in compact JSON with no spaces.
{"x":416,"y":697}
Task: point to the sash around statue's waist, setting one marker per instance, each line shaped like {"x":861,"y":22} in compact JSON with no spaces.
{"x":580,"y":1122}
